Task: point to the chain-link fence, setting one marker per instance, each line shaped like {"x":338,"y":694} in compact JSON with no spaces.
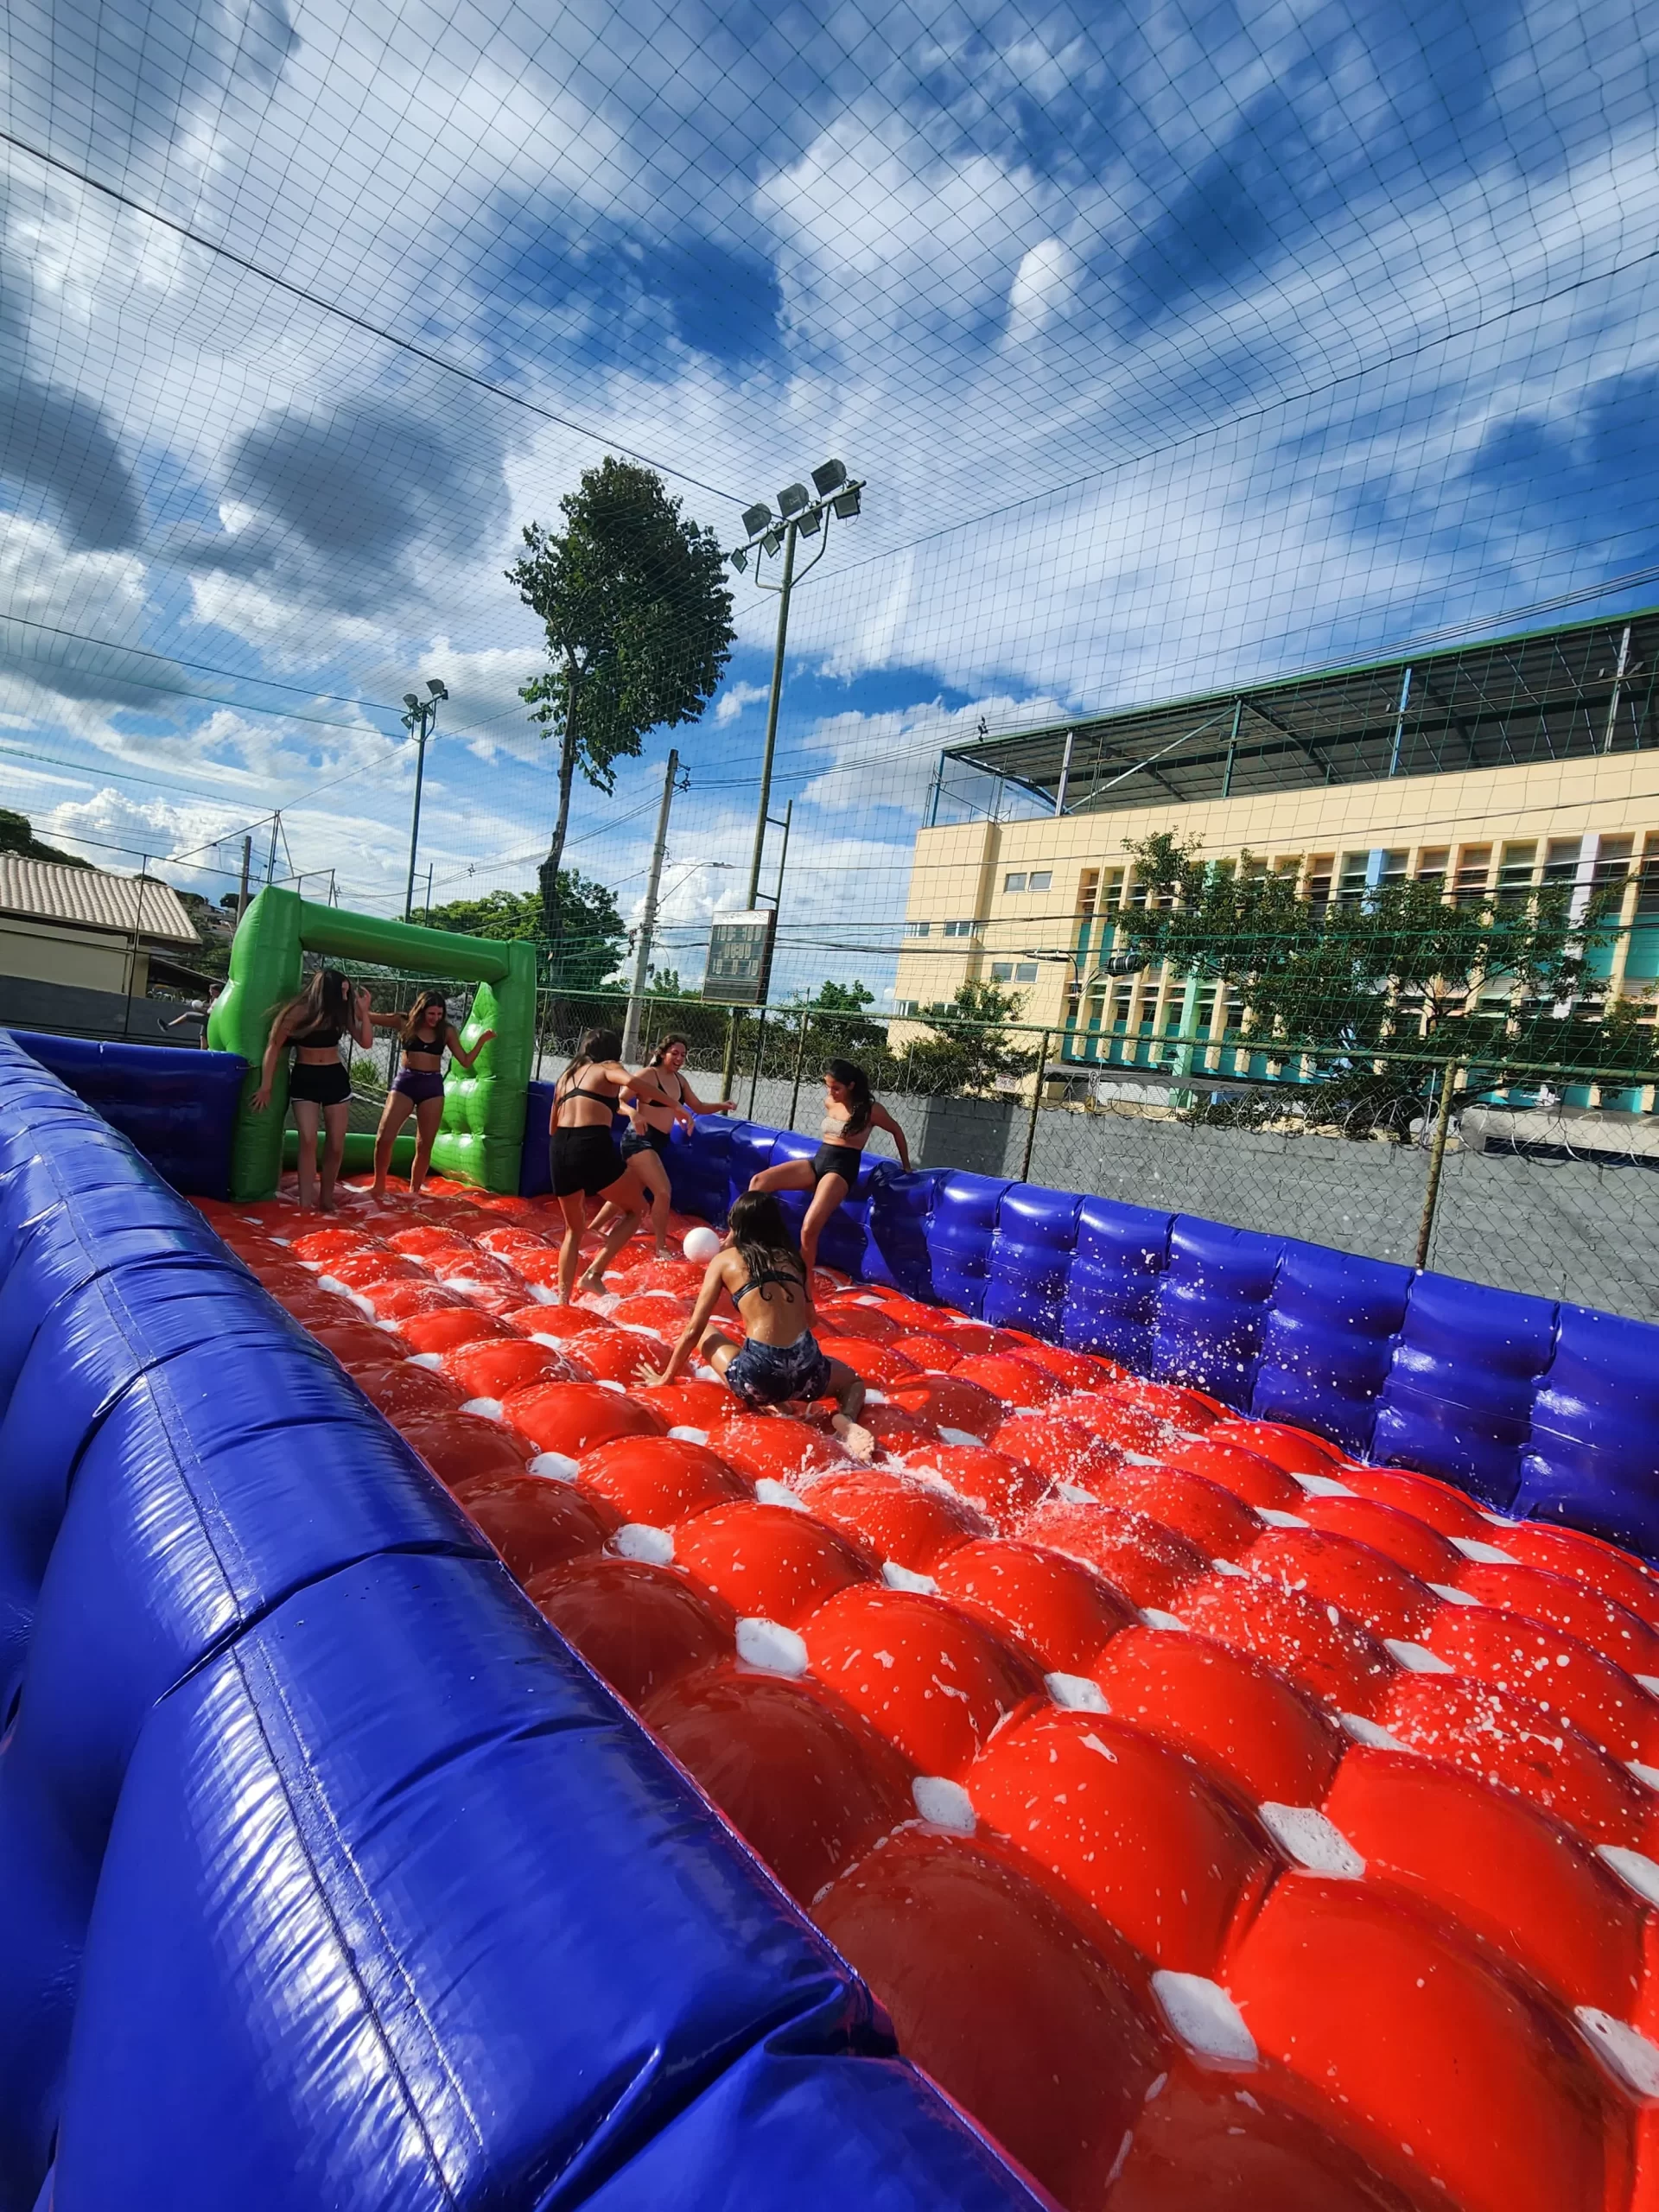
{"x":1547,"y":1183}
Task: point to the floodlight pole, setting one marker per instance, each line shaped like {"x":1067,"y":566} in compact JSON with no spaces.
{"x":772,"y":713}
{"x":648,"y":918}
{"x":419,"y":721}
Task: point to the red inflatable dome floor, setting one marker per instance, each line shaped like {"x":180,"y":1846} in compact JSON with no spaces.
{"x":1224,"y":1823}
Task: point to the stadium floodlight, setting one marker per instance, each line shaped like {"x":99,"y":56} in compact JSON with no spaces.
{"x":792,"y":499}
{"x":829,"y":477}
{"x":772,"y":540}
{"x":740,"y":558}
{"x":755,"y":519}
{"x":420,"y":721}
{"x":845,"y":504}
{"x":810,"y":522}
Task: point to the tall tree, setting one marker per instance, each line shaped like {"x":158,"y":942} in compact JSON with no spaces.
{"x":590,"y":928}
{"x":638,"y":624}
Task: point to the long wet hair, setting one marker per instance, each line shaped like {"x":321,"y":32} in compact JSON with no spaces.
{"x":761,"y":1233}
{"x":411,"y":1030}
{"x":324,"y":1003}
{"x":595,"y":1045}
{"x":665,"y":1044}
{"x":853,"y":1081}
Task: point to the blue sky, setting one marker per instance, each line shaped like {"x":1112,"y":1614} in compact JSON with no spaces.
{"x":1176,"y":344}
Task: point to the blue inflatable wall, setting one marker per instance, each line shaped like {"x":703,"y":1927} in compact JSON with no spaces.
{"x":330,"y":1874}
{"x":177,"y":1108}
{"x":1536,"y":1408}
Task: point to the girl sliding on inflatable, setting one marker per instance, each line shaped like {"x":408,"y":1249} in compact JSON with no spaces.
{"x":419,"y":1087}
{"x":584,"y":1162}
{"x":851,"y":1117}
{"x":780,"y":1362}
{"x":318,"y":1085}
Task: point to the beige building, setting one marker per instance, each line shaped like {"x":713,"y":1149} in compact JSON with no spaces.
{"x":1488,"y":770}
{"x":89,"y":930}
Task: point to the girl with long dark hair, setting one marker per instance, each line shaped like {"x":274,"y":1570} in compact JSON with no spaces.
{"x":851,"y":1116}
{"x":584,"y":1162}
{"x":418,"y":1089}
{"x":655,"y":1100}
{"x":780,"y":1362}
{"x":319,"y":1087}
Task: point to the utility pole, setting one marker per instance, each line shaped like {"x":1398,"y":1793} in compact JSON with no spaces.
{"x":785,"y":588}
{"x":648,"y":918}
{"x":270,"y":857}
{"x":242,"y":888}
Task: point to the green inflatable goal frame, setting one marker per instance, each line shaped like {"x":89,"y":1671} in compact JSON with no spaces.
{"x":482,"y":1134}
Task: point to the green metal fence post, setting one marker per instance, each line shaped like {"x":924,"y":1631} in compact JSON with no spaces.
{"x":1036,"y":1107}
{"x":1436,"y":1159}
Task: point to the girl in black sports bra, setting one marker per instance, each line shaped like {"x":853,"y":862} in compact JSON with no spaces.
{"x":850,"y":1115}
{"x":780,"y":1362}
{"x":583,"y":1159}
{"x":319,"y":1087}
{"x":654,"y":1100}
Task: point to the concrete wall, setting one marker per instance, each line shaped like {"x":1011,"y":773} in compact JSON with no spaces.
{"x":87,"y":960}
{"x":66,"y":1010}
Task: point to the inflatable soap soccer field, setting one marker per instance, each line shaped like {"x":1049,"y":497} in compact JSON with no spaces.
{"x":1218,"y":1744}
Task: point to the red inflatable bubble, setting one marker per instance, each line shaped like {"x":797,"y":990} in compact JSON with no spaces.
{"x":1509,"y":1871}
{"x":358,"y":1344}
{"x":1059,"y":1450}
{"x":1211,"y":1519}
{"x":1399,"y":1535}
{"x":493,"y":1368}
{"x":994,"y":1990}
{"x":1339,"y":1571}
{"x":1077,"y":1370}
{"x":1149,"y":1563}
{"x":572,"y":1418}
{"x":768,"y":1561}
{"x":1314,"y":1642}
{"x":933,"y":1682}
{"x":772,"y":1447}
{"x":534,"y":1525}
{"x":617,"y":1354}
{"x":559,"y":1322}
{"x":641,"y":1627}
{"x":463,"y":1447}
{"x":396,"y":1301}
{"x":692,"y":1404}
{"x":659,"y":1312}
{"x":1536,"y":1594}
{"x":1016,"y":1381}
{"x":403,"y":1392}
{"x":1002,"y":1488}
{"x":1252,"y":1479}
{"x":1584,"y":1559}
{"x":1137,"y":1830}
{"x":849,"y":1317}
{"x":659,"y":1480}
{"x":324,"y":1245}
{"x":949,"y":1402}
{"x":930,"y":1355}
{"x":807,"y":1783}
{"x":1292,"y":1449}
{"x":449,"y":1326}
{"x":893,"y":1516}
{"x":364,"y":1270}
{"x":1435,"y":1503}
{"x":1458,"y":2073}
{"x":1051,"y":1606}
{"x":1235,"y":1714}
{"x":1530,"y":1659}
{"x":879,"y":1365}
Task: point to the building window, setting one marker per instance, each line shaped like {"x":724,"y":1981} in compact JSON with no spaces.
{"x":1396,"y":867}
{"x":1350,"y":887}
{"x":1431,"y":866}
{"x":1647,"y":891}
{"x":1561,"y":859}
{"x":1026,"y":972}
{"x":1474,"y":866}
{"x":1087,"y":891}
{"x":1001,"y":971}
{"x":1290,"y":865}
{"x":959,"y":929}
{"x":1318,"y":880}
{"x":1113,"y":888}
{"x":1014,"y":883}
{"x":1613,"y":867}
{"x":1041,"y":879}
{"x":1514,"y":874}
{"x":917,"y":929}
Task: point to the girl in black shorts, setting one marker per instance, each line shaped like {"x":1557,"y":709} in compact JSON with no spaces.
{"x":655,"y":1099}
{"x":780,"y":1364}
{"x":318,"y":1088}
{"x":583,"y":1159}
{"x":850,"y":1117}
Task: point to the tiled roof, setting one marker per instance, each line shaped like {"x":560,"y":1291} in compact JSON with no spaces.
{"x":91,"y":898}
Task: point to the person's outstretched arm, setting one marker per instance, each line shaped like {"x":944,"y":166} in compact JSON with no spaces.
{"x":882,"y":1120}
{"x":459,"y":1051}
{"x":714,"y":1282}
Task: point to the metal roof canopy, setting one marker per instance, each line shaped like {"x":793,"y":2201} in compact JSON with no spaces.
{"x":1546,"y":695}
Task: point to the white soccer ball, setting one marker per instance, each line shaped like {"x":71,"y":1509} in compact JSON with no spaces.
{"x":702,"y":1245}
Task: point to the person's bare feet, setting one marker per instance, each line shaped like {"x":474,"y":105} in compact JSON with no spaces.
{"x":595,"y":1285}
{"x":858,"y":1441}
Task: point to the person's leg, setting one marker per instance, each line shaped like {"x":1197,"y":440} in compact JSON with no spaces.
{"x":831,"y":1190}
{"x":788,"y":1175}
{"x":573,"y":1208}
{"x":849,"y":1403}
{"x":429,"y":1116}
{"x":308,"y":1118}
{"x":334,"y":1119}
{"x":716,"y":1349}
{"x":653,"y":1178}
{"x":396,"y":1111}
{"x":627,"y":1196}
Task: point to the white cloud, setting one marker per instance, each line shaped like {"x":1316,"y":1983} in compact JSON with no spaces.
{"x":735,"y":697}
